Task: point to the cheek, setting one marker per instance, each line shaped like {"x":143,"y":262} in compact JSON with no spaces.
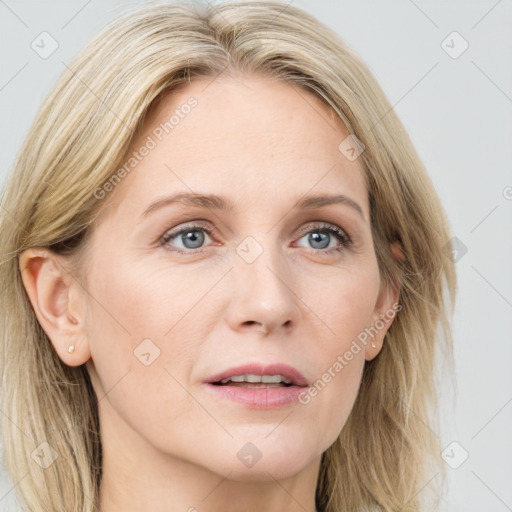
{"x":145,"y":338}
{"x":344,"y":303}
{"x":133,"y":303}
{"x":155,"y":298}
{"x":345,"y":308}
{"x":143,"y":374}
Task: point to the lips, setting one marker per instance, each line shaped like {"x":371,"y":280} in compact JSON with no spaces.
{"x":262,"y":396}
{"x":289,"y":372}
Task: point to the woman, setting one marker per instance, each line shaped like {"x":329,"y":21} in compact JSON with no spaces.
{"x":224,"y":268}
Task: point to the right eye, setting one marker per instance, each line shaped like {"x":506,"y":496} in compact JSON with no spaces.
{"x":189,"y":238}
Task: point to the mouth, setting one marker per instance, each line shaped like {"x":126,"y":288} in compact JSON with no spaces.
{"x":259,"y":386}
{"x":259,"y":374}
{"x":255,"y":381}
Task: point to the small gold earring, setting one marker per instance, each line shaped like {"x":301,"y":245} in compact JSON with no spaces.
{"x":71,"y":348}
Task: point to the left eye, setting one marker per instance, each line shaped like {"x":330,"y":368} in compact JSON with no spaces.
{"x":326,"y":237}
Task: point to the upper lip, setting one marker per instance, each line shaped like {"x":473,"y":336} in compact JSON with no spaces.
{"x":262,"y":369}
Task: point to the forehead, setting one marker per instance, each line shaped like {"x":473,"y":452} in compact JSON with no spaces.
{"x":259,"y":137}
{"x":253,"y":106}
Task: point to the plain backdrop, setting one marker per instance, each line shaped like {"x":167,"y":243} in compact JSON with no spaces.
{"x":446,"y":69}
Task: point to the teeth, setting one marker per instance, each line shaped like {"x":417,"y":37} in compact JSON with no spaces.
{"x":269,"y":379}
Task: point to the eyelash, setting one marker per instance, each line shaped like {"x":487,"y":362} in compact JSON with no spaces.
{"x":339,"y":234}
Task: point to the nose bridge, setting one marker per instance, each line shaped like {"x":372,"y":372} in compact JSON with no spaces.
{"x":263,"y":282}
{"x":262,"y":261}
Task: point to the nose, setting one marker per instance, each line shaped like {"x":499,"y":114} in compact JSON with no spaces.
{"x":263,"y":295}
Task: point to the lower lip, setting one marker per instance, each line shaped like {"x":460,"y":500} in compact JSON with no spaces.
{"x":259,"y":398}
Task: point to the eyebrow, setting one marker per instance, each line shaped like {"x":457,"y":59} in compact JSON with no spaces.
{"x":309,"y":203}
{"x":210,"y":201}
{"x":215,"y":202}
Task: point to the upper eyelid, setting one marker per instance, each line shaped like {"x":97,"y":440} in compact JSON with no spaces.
{"x":323,"y":225}
{"x":173,"y":232}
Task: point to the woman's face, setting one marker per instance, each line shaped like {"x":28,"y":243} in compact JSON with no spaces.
{"x":232,"y":272}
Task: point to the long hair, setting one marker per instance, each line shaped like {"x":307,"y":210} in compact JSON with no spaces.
{"x":388,"y":450}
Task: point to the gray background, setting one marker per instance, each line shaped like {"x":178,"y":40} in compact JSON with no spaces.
{"x":458,"y":113}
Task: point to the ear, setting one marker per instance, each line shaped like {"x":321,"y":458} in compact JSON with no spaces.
{"x":386,"y":308}
{"x":55,"y":297}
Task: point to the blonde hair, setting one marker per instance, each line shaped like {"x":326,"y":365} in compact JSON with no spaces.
{"x":387,"y":451}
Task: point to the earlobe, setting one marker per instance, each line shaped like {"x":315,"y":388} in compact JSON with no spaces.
{"x":381,"y":322}
{"x":50,"y":288}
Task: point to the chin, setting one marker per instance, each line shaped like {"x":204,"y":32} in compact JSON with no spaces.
{"x":264,"y":471}
{"x":263,"y":460}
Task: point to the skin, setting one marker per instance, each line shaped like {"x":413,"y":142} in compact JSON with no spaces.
{"x":168,"y":444}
